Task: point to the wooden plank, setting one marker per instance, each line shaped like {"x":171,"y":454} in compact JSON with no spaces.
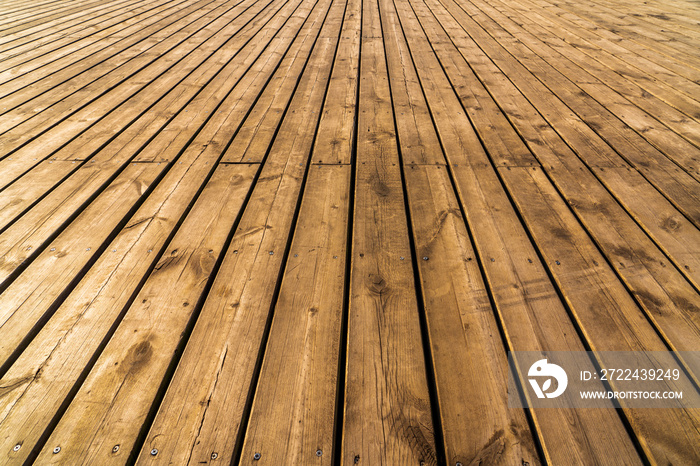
{"x":303,"y":348}
{"x":659,"y":29}
{"x":204,"y":150}
{"x":463,"y":333}
{"x":293,"y":413}
{"x":336,"y":132}
{"x":677,"y":241}
{"x":138,"y":393}
{"x":12,"y":8}
{"x":418,"y":142}
{"x":387,"y":417}
{"x":58,"y":359}
{"x":616,"y":120}
{"x":534,"y":319}
{"x":20,"y":196}
{"x":253,"y":139}
{"x":224,"y":345}
{"x":251,"y":143}
{"x":576,"y":183}
{"x":659,"y":15}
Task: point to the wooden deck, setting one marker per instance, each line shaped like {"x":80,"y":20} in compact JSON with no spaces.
{"x":309,"y":231}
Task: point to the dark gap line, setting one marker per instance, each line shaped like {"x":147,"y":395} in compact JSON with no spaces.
{"x":349,"y":248}
{"x":431,"y":378}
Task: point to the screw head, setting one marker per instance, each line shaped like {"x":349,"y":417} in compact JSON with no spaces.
{"x":257,"y":456}
{"x":401,"y":258}
{"x":319,"y":453}
{"x":87,"y":249}
{"x":53,"y":249}
{"x":154,"y":452}
{"x":115,"y":448}
{"x":271,"y":253}
{"x":425,"y":258}
{"x":16,"y":447}
{"x":214,"y":455}
{"x":56,"y":450}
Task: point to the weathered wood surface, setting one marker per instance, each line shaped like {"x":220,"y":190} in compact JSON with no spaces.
{"x":310,"y":231}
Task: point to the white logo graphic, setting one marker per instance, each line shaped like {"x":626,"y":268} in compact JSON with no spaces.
{"x":542,"y":368}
